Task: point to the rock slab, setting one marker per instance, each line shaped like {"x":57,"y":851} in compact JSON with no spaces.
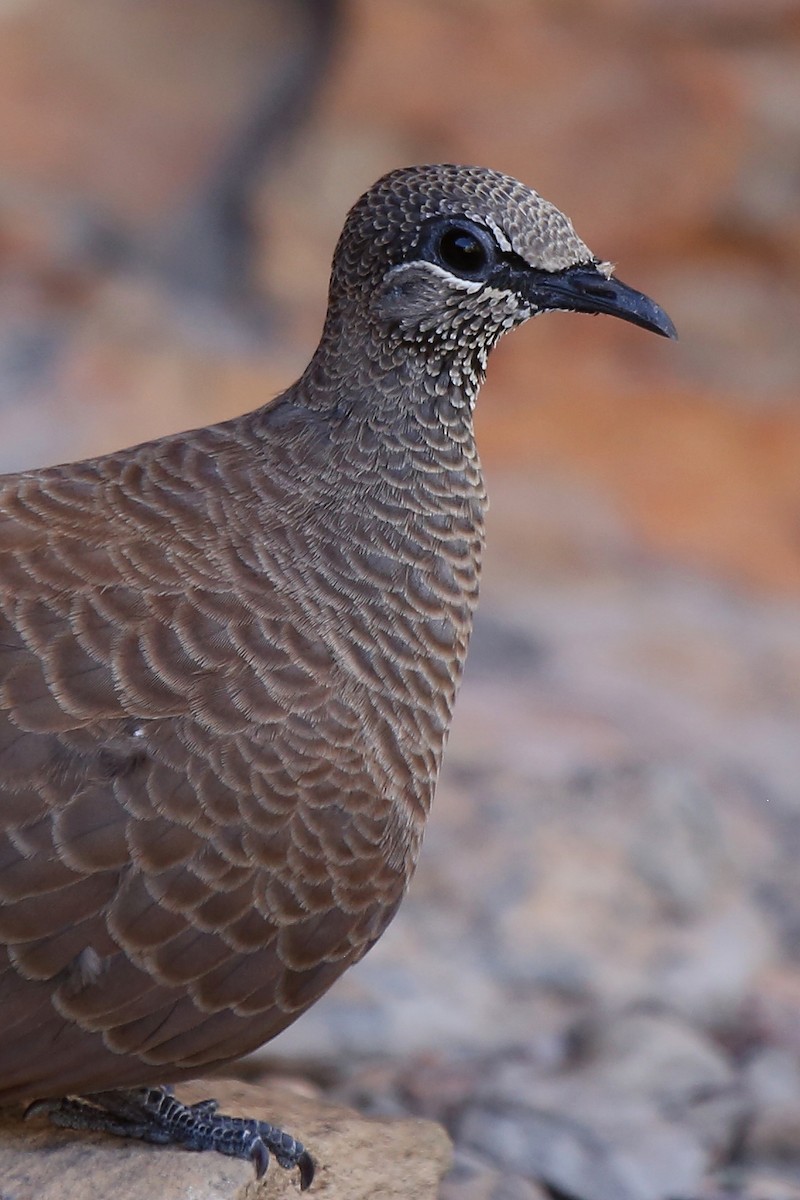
{"x":356,"y":1158}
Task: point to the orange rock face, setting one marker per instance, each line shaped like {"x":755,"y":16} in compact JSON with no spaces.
{"x":669,"y":132}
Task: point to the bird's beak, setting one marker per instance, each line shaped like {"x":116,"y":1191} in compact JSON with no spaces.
{"x":586,"y":289}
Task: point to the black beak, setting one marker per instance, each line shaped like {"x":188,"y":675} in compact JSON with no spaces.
{"x":586,"y":289}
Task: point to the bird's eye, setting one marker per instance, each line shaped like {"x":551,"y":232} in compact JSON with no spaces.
{"x":463,"y":252}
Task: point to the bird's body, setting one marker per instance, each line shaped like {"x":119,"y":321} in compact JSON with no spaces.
{"x":228,"y":661}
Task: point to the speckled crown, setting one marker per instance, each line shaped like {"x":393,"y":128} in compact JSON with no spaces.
{"x":383,"y":225}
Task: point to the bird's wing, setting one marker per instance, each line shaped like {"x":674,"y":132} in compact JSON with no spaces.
{"x":187,"y":829}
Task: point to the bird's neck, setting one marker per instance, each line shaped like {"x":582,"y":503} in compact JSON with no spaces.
{"x":396,"y":388}
{"x":379,"y":471}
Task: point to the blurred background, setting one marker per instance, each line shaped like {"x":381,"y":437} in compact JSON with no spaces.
{"x":595,"y":981}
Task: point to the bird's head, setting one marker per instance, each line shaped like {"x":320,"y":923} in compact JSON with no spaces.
{"x":445,"y":259}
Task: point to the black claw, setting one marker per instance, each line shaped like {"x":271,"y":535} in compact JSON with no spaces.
{"x":38,"y":1108}
{"x":260,"y":1157}
{"x":306,"y":1167}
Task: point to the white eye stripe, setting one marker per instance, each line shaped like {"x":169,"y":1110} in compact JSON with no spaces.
{"x":456,"y":281}
{"x":499,"y":236}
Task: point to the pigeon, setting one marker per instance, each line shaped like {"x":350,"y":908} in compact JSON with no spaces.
{"x":228,"y":665}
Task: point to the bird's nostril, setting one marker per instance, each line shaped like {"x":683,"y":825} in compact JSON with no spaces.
{"x":602,"y":291}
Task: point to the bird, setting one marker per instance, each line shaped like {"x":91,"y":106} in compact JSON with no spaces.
{"x":228,"y":664}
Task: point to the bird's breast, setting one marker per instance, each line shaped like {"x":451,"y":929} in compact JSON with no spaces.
{"x":391,"y":585}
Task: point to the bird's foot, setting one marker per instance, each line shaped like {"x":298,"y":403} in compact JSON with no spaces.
{"x":152,"y":1114}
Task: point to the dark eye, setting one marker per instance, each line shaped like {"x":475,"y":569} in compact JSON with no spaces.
{"x":462,"y":251}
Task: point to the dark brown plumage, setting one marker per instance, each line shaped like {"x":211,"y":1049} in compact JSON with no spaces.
{"x":228,"y":658}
